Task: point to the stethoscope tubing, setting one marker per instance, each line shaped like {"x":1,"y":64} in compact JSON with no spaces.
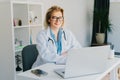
{"x":49,"y":39}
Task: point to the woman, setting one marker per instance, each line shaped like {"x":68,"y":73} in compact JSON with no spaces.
{"x":54,"y":42}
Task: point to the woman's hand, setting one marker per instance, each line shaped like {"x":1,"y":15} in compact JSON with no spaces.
{"x":64,"y":53}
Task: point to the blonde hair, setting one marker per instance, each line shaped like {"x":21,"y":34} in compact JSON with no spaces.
{"x":49,"y":13}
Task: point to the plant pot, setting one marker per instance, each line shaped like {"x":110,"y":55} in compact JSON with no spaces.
{"x":100,"y":38}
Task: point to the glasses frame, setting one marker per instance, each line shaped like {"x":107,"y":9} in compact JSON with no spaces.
{"x":55,"y":18}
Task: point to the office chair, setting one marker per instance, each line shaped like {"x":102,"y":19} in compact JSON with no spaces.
{"x":29,"y":55}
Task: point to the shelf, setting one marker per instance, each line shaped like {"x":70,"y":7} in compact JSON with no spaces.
{"x":26,"y":21}
{"x":35,"y":25}
{"x":35,"y":14}
{"x":19,"y":48}
{"x":95,"y":44}
{"x":20,"y":26}
{"x":20,"y":12}
{"x":16,"y":27}
{"x":19,"y":2}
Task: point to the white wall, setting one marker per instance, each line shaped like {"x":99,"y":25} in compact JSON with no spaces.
{"x":7,"y":56}
{"x":90,"y":7}
{"x":114,"y":36}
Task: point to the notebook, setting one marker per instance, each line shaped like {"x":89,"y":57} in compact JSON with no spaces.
{"x":85,"y":61}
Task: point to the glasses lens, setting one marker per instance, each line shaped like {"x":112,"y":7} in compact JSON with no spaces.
{"x":57,"y":18}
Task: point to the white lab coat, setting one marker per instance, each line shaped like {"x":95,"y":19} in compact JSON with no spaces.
{"x":48,"y":50}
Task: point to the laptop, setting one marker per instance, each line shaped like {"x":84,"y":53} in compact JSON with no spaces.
{"x":85,"y":61}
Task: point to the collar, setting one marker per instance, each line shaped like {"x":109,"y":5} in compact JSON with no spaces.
{"x":48,"y":32}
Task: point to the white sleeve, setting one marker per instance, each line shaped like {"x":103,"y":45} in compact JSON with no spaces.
{"x":73,"y":41}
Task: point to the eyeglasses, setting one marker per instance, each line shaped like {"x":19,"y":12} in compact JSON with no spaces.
{"x":57,"y":18}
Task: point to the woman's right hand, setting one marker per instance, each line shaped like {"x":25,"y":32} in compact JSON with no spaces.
{"x":64,"y":53}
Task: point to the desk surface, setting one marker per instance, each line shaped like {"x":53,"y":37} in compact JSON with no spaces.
{"x":49,"y":67}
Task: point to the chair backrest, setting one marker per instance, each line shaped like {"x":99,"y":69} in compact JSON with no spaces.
{"x":29,"y":55}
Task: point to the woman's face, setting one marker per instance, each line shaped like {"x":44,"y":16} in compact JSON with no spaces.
{"x":56,"y":20}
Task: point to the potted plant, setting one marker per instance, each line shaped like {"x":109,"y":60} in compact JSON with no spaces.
{"x":102,"y":18}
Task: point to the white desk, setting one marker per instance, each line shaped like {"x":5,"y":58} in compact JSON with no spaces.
{"x":112,"y":64}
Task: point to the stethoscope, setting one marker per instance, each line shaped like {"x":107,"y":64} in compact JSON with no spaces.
{"x":49,"y":39}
